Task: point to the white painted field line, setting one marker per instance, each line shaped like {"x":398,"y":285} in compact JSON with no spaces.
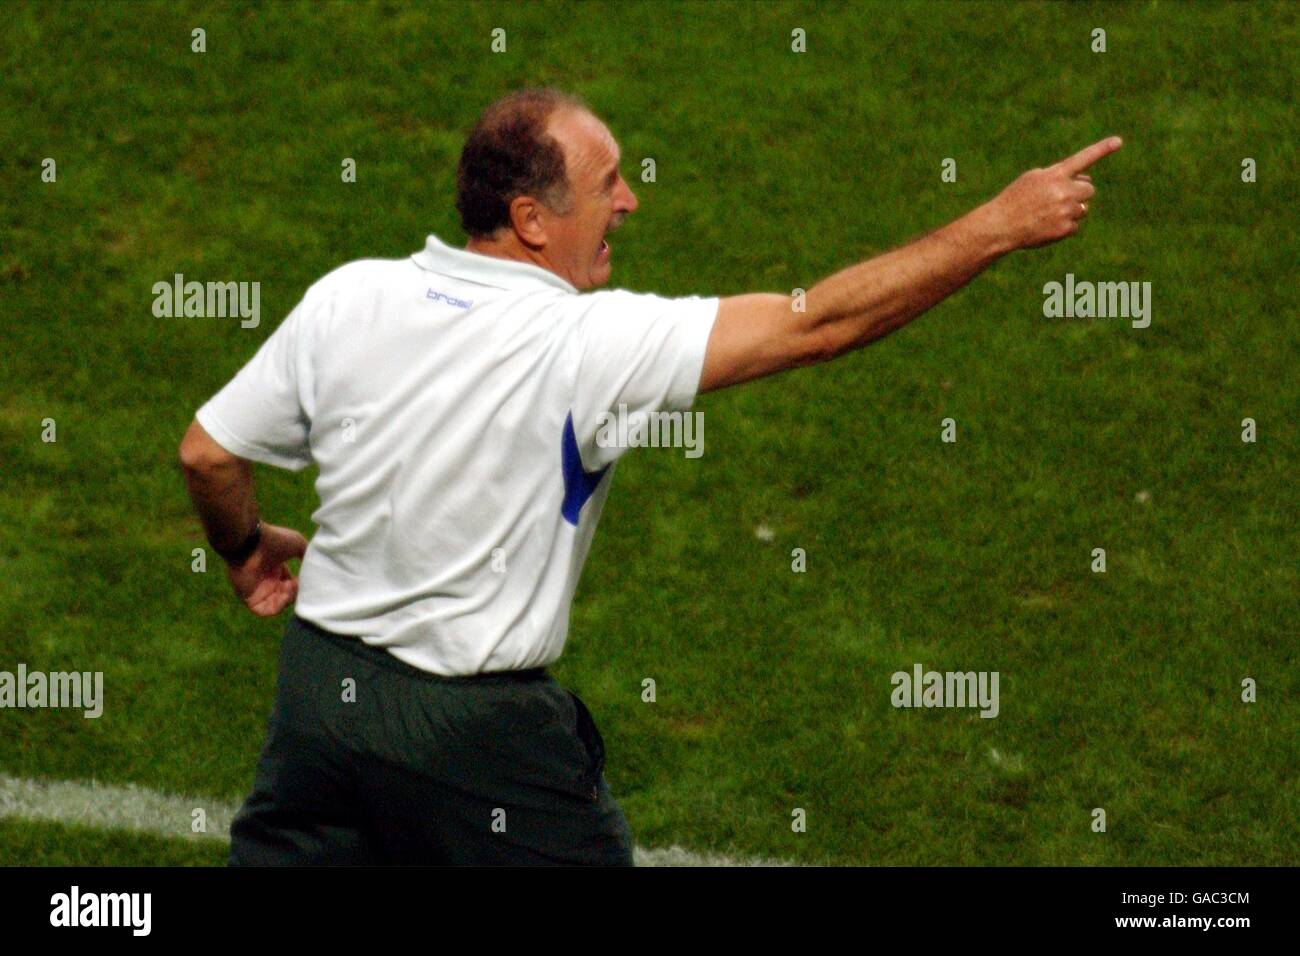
{"x":111,"y":807}
{"x":129,"y":807}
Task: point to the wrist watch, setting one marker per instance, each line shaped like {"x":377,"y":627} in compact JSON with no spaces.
{"x":246,"y":548}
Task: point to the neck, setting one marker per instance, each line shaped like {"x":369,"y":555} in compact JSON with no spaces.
{"x":506,"y":245}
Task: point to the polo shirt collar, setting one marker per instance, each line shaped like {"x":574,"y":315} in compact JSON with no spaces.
{"x":437,"y":256}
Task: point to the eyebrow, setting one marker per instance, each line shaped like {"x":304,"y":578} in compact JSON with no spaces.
{"x":611,"y":177}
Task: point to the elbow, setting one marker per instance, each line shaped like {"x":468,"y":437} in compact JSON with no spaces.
{"x":190,"y":457}
{"x":198,"y":453}
{"x":820,"y":343}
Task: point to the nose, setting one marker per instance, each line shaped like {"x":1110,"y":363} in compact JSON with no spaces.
{"x":625,"y":200}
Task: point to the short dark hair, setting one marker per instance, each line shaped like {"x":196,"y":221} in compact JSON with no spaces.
{"x":509,"y":154}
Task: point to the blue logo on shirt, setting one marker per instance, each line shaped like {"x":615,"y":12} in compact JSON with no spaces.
{"x":579,"y":484}
{"x":450,"y":300}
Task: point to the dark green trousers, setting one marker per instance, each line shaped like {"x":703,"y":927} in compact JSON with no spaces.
{"x":370,"y":761}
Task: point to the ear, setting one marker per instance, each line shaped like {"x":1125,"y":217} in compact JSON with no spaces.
{"x":526,"y":216}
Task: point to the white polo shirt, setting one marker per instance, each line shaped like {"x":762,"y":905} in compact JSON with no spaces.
{"x":451,"y":402}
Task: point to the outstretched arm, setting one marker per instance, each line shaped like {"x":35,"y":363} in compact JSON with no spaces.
{"x":760,"y":334}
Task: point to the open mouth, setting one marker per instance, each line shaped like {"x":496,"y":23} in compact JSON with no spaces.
{"x":604,"y":249}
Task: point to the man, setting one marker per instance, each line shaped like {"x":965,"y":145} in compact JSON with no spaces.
{"x":451,"y":402}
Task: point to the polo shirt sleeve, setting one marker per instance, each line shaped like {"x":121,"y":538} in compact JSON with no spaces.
{"x":263,"y":413}
{"x":641,"y":351}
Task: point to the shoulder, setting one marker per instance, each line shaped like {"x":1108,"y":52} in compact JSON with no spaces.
{"x":360,"y":274}
{"x":353,"y":288}
{"x":622,"y":313}
{"x":624,"y":303}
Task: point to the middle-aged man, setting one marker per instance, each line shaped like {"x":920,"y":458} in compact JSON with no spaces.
{"x":451,"y":401}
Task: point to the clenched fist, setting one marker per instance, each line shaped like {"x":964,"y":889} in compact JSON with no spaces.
{"x":1045,"y":205}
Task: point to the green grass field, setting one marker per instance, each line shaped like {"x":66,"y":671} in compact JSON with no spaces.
{"x":1119,"y":690}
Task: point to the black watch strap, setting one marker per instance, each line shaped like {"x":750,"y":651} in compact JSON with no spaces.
{"x":246,"y":548}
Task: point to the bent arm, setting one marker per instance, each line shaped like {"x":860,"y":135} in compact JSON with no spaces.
{"x":221,"y":487}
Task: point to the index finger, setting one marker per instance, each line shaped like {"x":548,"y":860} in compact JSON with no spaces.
{"x":1089,"y":155}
